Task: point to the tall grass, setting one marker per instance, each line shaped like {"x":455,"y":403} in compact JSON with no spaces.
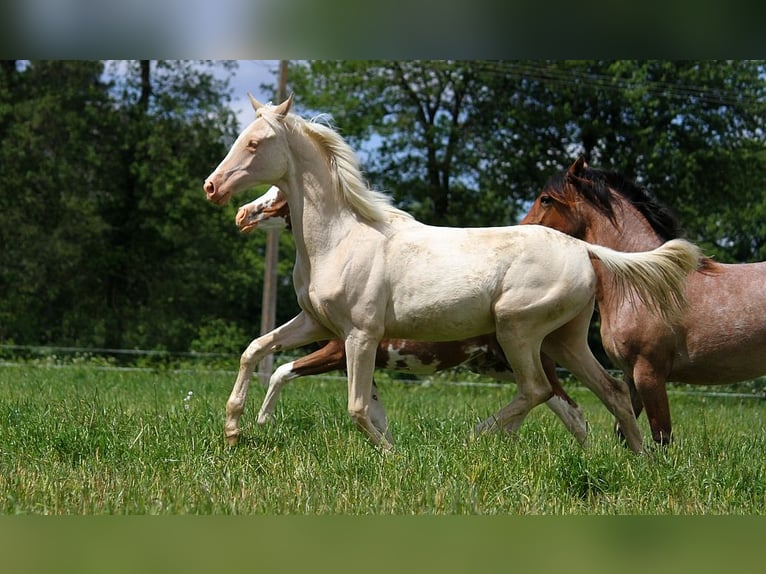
{"x":83,"y":440}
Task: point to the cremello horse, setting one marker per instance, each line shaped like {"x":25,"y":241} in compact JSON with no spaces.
{"x":365,"y":270}
{"x":481,"y":354}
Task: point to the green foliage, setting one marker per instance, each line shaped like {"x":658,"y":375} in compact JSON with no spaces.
{"x":87,"y":440}
{"x":107,"y":240}
{"x":469,"y":143}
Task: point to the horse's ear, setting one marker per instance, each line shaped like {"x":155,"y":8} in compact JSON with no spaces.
{"x":256,"y":104}
{"x":577,"y":167}
{"x":282,"y":109}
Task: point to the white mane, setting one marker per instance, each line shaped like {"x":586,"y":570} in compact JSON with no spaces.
{"x":350,"y":185}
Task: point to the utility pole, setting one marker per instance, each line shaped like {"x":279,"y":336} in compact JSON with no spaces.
{"x":269,"y":306}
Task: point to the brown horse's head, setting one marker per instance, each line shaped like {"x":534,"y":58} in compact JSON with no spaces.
{"x":557,"y":206}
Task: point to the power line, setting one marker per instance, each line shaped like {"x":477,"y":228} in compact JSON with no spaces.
{"x":545,"y":72}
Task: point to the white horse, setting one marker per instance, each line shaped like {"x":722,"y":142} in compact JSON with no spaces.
{"x":365,"y":270}
{"x":482,"y":354}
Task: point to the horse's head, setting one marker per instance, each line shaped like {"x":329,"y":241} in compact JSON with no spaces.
{"x":259,"y":155}
{"x":270,"y":211}
{"x":556,"y":206}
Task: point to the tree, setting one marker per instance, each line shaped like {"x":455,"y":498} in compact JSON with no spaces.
{"x":49,"y":162}
{"x":107,"y":239}
{"x":413,"y":123}
{"x":471,"y":142}
{"x":176,"y":264}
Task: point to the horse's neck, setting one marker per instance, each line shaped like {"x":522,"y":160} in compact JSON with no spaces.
{"x":630,"y":231}
{"x":319,"y":225}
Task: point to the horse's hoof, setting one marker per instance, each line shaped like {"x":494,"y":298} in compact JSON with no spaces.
{"x":232,"y":438}
{"x":386,"y":447}
{"x":264,"y":418}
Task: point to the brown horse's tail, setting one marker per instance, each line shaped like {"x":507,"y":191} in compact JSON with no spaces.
{"x":657,"y":277}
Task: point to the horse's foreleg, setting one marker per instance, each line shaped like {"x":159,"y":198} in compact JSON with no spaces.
{"x":650,"y":386}
{"x":331,"y":357}
{"x":371,"y":420}
{"x":281,"y":376}
{"x":301,"y":330}
{"x":378,"y":414}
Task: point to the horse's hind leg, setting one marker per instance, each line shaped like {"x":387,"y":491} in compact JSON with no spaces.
{"x":562,"y":404}
{"x":330,"y":357}
{"x":523,"y":353}
{"x":569,"y":347}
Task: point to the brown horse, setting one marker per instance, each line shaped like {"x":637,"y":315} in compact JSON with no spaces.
{"x":482,"y":354}
{"x":721,"y":337}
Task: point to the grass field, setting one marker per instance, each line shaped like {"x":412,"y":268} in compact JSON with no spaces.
{"x":82,"y":440}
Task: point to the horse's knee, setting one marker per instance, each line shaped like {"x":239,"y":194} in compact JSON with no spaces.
{"x":538,"y":394}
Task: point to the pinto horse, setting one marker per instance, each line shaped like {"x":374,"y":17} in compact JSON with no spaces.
{"x":482,"y":354}
{"x":721,"y":336}
{"x":365,"y":270}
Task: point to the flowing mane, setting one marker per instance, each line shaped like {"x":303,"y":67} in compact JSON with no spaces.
{"x":594,"y":185}
{"x":350,"y":185}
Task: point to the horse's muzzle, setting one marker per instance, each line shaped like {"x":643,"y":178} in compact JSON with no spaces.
{"x":214,"y":194}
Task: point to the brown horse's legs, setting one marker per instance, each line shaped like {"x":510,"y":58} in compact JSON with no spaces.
{"x":562,"y":404}
{"x":299,"y":331}
{"x":331,"y":357}
{"x":635,"y":397}
{"x":650,"y":385}
{"x":549,"y":366}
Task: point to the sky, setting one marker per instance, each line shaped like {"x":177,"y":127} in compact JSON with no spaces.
{"x":248,"y":78}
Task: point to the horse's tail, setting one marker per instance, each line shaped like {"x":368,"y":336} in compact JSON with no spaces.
{"x":658,"y":276}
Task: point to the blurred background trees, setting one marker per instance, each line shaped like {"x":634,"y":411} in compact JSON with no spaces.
{"x":106,"y":239}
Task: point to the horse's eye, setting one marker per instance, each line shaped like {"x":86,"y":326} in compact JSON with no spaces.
{"x":545,"y":200}
{"x":252,"y":145}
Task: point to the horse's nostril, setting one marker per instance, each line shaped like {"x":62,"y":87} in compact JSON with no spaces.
{"x":209,"y":187}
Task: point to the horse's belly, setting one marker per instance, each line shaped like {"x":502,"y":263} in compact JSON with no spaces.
{"x":721,"y":360}
{"x":436,"y":317}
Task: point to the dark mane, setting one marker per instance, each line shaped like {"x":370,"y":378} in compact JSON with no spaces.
{"x":594,"y":186}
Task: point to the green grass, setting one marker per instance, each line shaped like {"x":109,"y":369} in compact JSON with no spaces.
{"x":83,"y":440}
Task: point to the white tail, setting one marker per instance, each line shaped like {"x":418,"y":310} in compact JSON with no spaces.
{"x":657,"y":277}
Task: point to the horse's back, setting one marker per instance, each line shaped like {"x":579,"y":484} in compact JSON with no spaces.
{"x":457,"y":279}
